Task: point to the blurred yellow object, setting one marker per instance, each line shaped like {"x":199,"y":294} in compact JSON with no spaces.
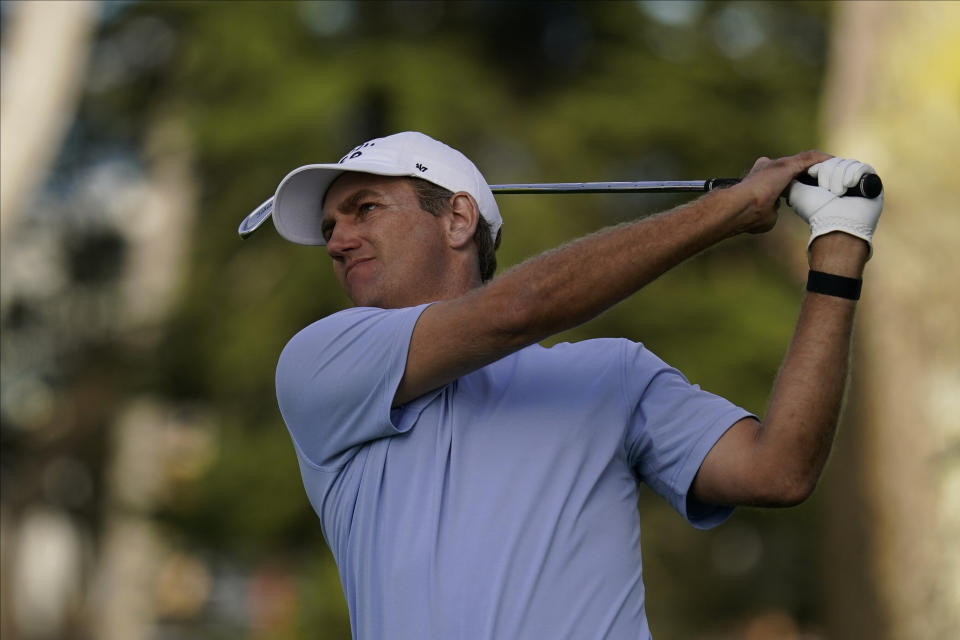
{"x":893,"y":98}
{"x":183,"y":586}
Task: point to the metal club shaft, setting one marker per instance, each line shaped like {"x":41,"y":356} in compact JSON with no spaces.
{"x":869,"y":186}
{"x":650,"y":186}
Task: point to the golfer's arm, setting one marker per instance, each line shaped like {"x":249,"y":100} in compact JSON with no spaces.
{"x":562,"y":288}
{"x":777,"y":462}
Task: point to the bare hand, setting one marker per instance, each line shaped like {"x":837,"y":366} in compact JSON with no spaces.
{"x":766,"y":182}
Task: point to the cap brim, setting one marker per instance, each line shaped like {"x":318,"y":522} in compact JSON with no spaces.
{"x":298,"y":202}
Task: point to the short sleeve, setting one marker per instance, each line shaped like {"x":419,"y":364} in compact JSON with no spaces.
{"x":672,"y":426}
{"x":336,"y":380}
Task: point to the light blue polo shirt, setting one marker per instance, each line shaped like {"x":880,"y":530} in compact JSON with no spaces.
{"x":503,"y":505}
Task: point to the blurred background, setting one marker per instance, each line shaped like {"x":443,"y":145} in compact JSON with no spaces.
{"x":149,"y":488}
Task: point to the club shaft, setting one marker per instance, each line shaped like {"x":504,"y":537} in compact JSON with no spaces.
{"x":652,"y":186}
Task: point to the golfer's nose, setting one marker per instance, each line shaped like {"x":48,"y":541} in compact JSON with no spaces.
{"x":342,"y":239}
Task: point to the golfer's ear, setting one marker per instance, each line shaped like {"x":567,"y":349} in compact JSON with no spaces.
{"x":462,"y":219}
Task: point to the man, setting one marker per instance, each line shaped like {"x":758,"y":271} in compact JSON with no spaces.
{"x":472,"y":484}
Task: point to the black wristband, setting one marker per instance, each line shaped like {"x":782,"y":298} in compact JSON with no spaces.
{"x":831,"y":285}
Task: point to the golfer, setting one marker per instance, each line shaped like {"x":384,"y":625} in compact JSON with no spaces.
{"x":473,"y":484}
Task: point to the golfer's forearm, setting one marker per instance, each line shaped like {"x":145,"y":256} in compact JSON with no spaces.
{"x":797,"y":433}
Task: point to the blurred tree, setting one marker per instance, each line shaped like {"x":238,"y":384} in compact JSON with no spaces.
{"x":47,"y":48}
{"x":894,"y":564}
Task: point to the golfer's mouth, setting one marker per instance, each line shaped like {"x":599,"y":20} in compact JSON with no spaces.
{"x":354,"y":263}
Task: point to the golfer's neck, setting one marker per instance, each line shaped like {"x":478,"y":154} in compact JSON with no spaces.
{"x":422,"y":292}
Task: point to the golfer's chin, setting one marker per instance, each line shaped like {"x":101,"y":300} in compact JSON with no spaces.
{"x":363,"y":297}
{"x":361,"y":287}
{"x":368,"y":295}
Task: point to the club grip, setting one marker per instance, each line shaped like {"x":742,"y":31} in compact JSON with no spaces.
{"x":869,"y":186}
{"x":719,"y":183}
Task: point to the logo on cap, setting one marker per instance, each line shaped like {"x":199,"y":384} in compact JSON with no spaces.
{"x":356,"y":152}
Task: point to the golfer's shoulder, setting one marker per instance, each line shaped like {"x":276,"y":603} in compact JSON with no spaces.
{"x":361,"y":346}
{"x":354,"y":318}
{"x":354,"y":323}
{"x":318,"y":331}
{"x":361,"y":334}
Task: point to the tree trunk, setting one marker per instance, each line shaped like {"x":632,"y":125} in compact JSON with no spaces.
{"x":892,"y":98}
{"x":159,"y":234}
{"x":43,"y":62}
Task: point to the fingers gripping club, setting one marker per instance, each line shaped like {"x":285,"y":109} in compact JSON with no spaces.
{"x":818,"y":198}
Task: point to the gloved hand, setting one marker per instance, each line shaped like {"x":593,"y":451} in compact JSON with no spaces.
{"x":824,"y":208}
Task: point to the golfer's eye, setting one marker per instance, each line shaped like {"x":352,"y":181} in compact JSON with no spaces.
{"x":366,"y":207}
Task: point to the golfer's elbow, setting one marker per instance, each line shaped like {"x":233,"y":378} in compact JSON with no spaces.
{"x":789,"y":458}
{"x":796,"y":492}
{"x":790,"y":487}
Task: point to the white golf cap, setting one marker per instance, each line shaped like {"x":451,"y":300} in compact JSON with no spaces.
{"x":297,"y":203}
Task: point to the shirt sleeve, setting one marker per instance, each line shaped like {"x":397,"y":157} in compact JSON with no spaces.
{"x":336,"y":380}
{"x":672,"y":426}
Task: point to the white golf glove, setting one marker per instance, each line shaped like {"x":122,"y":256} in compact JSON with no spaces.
{"x":824,"y":208}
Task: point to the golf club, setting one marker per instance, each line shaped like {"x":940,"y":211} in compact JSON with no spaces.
{"x":869,"y":186}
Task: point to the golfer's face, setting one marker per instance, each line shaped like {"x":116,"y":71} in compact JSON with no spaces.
{"x":386,"y":251}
